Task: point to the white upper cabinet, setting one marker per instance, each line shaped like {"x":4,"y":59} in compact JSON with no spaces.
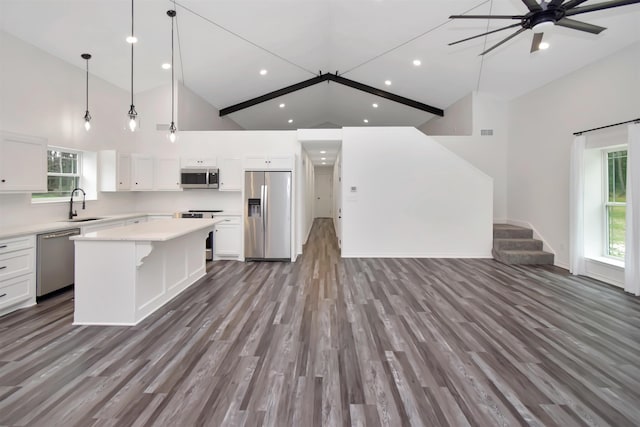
{"x":167,"y":174}
{"x":284,"y":163}
{"x":192,"y":162}
{"x":230,"y":174}
{"x":142,"y":172}
{"x":115,"y":171}
{"x":23,"y":163}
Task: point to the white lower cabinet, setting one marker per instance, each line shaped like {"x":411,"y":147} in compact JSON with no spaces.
{"x":226,"y":242}
{"x":17,"y":273}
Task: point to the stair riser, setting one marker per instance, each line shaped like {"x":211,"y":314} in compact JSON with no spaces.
{"x":513,"y":234}
{"x":509,"y":244}
{"x":546,"y":258}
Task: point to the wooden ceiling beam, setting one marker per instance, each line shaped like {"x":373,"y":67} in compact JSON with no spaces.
{"x":334,"y":78}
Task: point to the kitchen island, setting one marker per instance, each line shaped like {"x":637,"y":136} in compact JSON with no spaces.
{"x":124,"y":274}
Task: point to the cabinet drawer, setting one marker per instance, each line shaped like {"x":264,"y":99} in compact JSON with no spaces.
{"x":16,"y":244}
{"x":16,"y":263}
{"x":16,"y":290}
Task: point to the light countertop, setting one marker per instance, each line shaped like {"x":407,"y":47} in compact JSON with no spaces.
{"x":153,"y":231}
{"x":48,"y":227}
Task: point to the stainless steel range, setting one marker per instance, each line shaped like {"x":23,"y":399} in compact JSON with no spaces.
{"x":203,"y":214}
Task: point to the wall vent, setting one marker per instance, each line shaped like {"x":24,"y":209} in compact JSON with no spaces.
{"x":486,"y":132}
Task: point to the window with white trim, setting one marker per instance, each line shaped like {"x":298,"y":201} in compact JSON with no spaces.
{"x":64,"y":173}
{"x":615,"y":202}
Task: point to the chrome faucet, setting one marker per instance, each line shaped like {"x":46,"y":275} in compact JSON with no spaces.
{"x":73,"y":213}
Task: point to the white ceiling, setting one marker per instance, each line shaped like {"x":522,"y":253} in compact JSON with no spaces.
{"x":347,"y":36}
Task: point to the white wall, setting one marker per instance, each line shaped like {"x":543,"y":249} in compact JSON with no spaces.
{"x":488,"y":153}
{"x":457,"y":119}
{"x":337,"y":197}
{"x":194,"y":113}
{"x":541,"y":124}
{"x":44,"y":96}
{"x":412,"y":198}
{"x":307,"y":180}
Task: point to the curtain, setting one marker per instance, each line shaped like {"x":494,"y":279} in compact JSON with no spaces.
{"x":632,"y":236}
{"x":576,"y":206}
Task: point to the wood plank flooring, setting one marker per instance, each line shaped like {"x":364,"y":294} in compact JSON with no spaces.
{"x":330,"y":342}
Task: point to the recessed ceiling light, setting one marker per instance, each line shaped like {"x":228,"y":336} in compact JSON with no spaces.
{"x":323,"y":158}
{"x":324,"y":163}
{"x":263,"y":72}
{"x":366,"y":120}
{"x":387,"y":82}
{"x":417,"y":62}
{"x":282,"y":105}
{"x":131,"y":39}
{"x":543,"y":45}
{"x":290,"y":120}
{"x":166,"y":66}
{"x":374,"y":105}
{"x":323,"y":152}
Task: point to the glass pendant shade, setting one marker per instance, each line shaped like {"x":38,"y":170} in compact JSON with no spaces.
{"x":172,"y":132}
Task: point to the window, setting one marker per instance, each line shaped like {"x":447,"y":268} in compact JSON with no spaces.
{"x":64,"y":169}
{"x":615,"y":205}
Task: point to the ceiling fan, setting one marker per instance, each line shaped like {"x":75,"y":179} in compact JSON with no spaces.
{"x":543,"y":15}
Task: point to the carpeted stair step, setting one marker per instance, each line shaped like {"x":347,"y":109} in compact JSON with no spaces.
{"x":523,"y":257}
{"x":517,"y":244}
{"x":508,"y":231}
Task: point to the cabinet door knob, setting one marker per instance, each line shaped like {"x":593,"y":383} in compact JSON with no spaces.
{"x":4,"y":180}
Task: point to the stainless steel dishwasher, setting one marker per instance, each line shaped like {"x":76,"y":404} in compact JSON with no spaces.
{"x":55,"y":261}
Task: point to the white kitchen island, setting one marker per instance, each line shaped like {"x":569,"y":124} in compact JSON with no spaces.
{"x":124,"y":274}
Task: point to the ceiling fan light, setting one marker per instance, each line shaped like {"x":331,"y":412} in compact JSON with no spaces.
{"x":543,"y":26}
{"x":543,"y":46}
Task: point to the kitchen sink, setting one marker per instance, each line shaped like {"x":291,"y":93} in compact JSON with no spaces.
{"x":84,"y":219}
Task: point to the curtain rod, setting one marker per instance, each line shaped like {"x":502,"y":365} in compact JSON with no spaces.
{"x":608,"y":126}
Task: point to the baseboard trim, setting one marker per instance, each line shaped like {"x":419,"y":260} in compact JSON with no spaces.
{"x":416,"y":255}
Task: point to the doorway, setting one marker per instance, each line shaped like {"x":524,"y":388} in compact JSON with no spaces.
{"x":323,"y":193}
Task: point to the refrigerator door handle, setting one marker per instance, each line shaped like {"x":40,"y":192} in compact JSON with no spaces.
{"x":265,"y":200}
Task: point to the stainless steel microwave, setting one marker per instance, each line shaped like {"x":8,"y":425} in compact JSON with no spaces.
{"x":199,"y":178}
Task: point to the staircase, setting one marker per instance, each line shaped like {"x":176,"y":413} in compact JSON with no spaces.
{"x":516,"y":245}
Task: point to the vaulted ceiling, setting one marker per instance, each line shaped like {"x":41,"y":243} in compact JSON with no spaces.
{"x":223,"y":44}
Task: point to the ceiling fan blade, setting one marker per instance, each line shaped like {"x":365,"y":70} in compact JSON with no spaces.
{"x":535,"y":42}
{"x":600,"y":6}
{"x":487,"y":16}
{"x":556,"y":3}
{"x":532,"y":5}
{"x":580,"y":26}
{"x":484,"y":34}
{"x":503,"y":41}
{"x":573,"y":3}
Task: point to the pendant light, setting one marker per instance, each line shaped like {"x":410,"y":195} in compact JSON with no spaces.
{"x":132,"y":114}
{"x":87,"y":116}
{"x":172,"y":126}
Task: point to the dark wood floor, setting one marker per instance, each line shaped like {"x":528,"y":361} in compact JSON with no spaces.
{"x":330,"y":341}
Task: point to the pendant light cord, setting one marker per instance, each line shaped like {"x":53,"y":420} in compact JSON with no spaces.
{"x":172,"y":76}
{"x":87,"y":87}
{"x":132,"y":35}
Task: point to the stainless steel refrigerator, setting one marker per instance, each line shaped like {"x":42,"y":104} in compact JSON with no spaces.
{"x":267,"y":223}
